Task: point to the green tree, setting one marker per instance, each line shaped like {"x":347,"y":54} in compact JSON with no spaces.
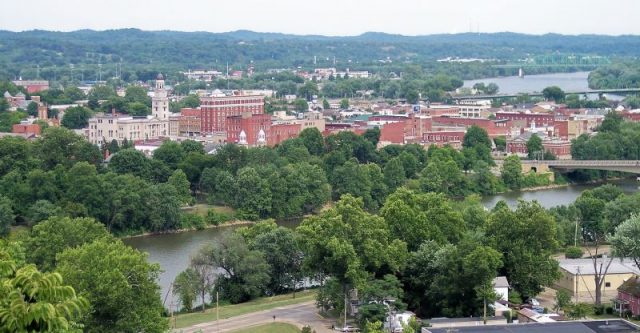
{"x":244,"y":272}
{"x":301,"y":105}
{"x":474,"y":136}
{"x":313,"y":140}
{"x":170,"y":152}
{"x":53,"y":236}
{"x":308,"y":90}
{"x":527,"y":239}
{"x":511,"y":172}
{"x":115,"y":278}
{"x":137,"y":109}
{"x":6,"y":215}
{"x":325,"y":104}
{"x":284,"y":257}
{"x":185,"y":286}
{"x":253,"y":195}
{"x":136,"y":94}
{"x":553,"y":93}
{"x":76,"y":117}
{"x":130,"y":161}
{"x":611,"y":123}
{"x":534,"y":147}
{"x":42,"y":210}
{"x":394,"y":174}
{"x":36,"y":302}
{"x":562,"y":300}
{"x":180,"y":182}
{"x":626,"y":239}
{"x":344,"y":104}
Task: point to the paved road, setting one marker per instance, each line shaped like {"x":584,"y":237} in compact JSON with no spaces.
{"x":298,"y":314}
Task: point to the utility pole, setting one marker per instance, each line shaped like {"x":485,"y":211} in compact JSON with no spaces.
{"x":217,"y":312}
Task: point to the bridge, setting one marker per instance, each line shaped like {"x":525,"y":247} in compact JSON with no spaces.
{"x":568,"y":165}
{"x":557,"y":61}
{"x":580,"y":92}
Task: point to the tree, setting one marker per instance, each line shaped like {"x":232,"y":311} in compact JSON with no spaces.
{"x":301,"y":105}
{"x":492,"y":89}
{"x":186,"y":287}
{"x":191,"y":146}
{"x":344,"y":104}
{"x":243,"y":272}
{"x":474,"y":136}
{"x":415,"y":217}
{"x":394,"y":175}
{"x":284,"y":257}
{"x":562,"y":300}
{"x":130,"y":161}
{"x":42,"y":210}
{"x":611,"y":123}
{"x":626,"y":239}
{"x":511,"y":172}
{"x":253,"y":195}
{"x":56,"y":234}
{"x":32,"y":109}
{"x":313,"y":140}
{"x":170,"y":152}
{"x":325,"y":104}
{"x":137,"y":109}
{"x":308,"y":90}
{"x":553,"y":93}
{"x":534,"y":147}
{"x":116,"y":279}
{"x":76,"y":117}
{"x":180,"y":182}
{"x":527,"y":239}
{"x":36,"y":302}
{"x":6,"y":215}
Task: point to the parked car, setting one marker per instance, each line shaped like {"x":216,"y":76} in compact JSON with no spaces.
{"x":533,"y":302}
{"x":350,"y":329}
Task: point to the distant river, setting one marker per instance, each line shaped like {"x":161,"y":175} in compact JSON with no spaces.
{"x":536,"y":83}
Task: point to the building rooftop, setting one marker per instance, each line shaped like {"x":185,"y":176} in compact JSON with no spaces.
{"x":585,"y":266}
{"x":598,"y":326}
{"x":500,"y":282}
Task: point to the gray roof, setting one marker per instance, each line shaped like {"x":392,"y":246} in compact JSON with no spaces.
{"x":500,"y":282}
{"x":585,"y":266}
{"x":599,"y":326}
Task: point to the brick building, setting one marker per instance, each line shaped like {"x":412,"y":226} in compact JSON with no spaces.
{"x":443,"y":138}
{"x":283,"y":131}
{"x":216,"y":109}
{"x":245,"y":129}
{"x":28,"y":129}
{"x":540,"y":119}
{"x":403,"y":129}
{"x":189,"y":122}
{"x":494,"y":128}
{"x":32,"y":86}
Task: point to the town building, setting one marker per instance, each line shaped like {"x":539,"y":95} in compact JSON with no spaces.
{"x":527,"y":118}
{"x":577,"y":277}
{"x":32,"y":86}
{"x":475,"y":325}
{"x":107,"y":127}
{"x":189,"y":122}
{"x":248,"y":129}
{"x":444,"y":138}
{"x":26,"y":128}
{"x":628,"y":298}
{"x":216,"y":109}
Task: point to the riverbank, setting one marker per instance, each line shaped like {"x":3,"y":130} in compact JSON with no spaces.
{"x":177,"y":231}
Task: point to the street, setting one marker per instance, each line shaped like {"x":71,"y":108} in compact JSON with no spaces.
{"x":298,"y":314}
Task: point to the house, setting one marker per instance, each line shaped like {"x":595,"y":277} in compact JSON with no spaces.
{"x":628,"y":296}
{"x":578,"y":277}
{"x":501,"y":287}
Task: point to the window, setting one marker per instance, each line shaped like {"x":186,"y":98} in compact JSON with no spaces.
{"x":607,"y":284}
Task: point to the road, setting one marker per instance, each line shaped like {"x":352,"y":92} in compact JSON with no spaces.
{"x":297,"y":314}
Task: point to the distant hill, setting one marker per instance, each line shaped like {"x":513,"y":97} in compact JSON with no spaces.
{"x":21,"y":52}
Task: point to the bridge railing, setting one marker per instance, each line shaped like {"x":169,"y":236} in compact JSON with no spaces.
{"x":584,"y":162}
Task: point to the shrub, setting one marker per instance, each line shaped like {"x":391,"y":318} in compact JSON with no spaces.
{"x":217,"y":218}
{"x":573,"y":252}
{"x":608,"y":310}
{"x":514,"y":297}
{"x":598,"y":310}
{"x":192,"y":221}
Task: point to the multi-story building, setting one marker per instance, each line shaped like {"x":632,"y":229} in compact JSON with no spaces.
{"x":216,"y":109}
{"x":248,"y":129}
{"x":32,"y":86}
{"x":538,"y":119}
{"x":189,"y":123}
{"x":108,"y":127}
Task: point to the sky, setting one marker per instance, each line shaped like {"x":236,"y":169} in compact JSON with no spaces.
{"x":328,"y":17}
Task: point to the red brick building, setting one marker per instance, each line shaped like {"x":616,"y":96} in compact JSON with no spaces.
{"x":29,"y":129}
{"x":443,"y":138}
{"x":540,"y":119}
{"x":283,"y":131}
{"x":189,"y":121}
{"x":629,"y":296}
{"x":32,"y":86}
{"x":216,"y":109}
{"x":559,"y":148}
{"x":494,"y":128}
{"x":250,"y":125}
{"x":406,"y":129}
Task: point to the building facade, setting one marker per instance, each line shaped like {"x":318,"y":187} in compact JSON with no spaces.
{"x":108,"y":127}
{"x":216,"y":109}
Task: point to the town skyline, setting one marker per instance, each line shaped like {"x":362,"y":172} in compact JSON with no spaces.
{"x":410,"y":18}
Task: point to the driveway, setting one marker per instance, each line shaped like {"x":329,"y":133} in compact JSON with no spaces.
{"x":297,"y":314}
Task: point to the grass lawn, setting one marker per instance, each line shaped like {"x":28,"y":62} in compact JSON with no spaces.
{"x":201,"y":209}
{"x":227,"y":311}
{"x":270,"y":328}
